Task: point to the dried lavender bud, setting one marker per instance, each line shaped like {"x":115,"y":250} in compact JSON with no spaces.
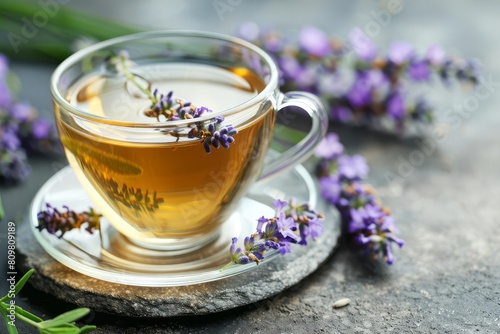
{"x":58,"y":223}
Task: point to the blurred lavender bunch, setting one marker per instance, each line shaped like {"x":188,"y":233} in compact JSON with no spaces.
{"x":365,"y":221}
{"x":292,"y":224}
{"x":21,"y":131}
{"x":360,"y":84}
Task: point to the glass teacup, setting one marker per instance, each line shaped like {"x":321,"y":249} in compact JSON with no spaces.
{"x":157,"y":183}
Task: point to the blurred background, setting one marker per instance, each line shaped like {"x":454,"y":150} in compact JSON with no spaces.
{"x":445,"y":208}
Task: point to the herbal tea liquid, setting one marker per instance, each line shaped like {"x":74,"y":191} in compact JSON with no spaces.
{"x":154,"y":181}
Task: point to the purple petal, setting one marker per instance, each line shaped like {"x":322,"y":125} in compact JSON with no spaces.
{"x":329,"y":147}
{"x":396,"y":106}
{"x":435,"y":55}
{"x":314,"y":41}
{"x":419,"y":71}
{"x":400,"y":52}
{"x":363,"y":46}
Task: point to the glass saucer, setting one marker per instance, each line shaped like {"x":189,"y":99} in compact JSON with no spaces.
{"x":107,"y":255}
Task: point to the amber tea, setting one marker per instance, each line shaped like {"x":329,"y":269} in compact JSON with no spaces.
{"x":160,"y":183}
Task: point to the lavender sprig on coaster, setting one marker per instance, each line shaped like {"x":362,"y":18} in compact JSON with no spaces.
{"x":59,"y":222}
{"x":291,"y":224}
{"x":212,"y":134}
{"x":364,"y":219}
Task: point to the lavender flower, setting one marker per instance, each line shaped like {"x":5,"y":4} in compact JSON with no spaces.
{"x":14,"y":166}
{"x":314,"y":41}
{"x":290,"y":223}
{"x":211,"y":134}
{"x":400,"y":52}
{"x":396,"y":106}
{"x":364,"y":220}
{"x":363,"y":46}
{"x":435,"y":55}
{"x":419,"y":71}
{"x":363,"y":88}
{"x":58,"y":223}
{"x":20,"y":131}
{"x":352,"y":168}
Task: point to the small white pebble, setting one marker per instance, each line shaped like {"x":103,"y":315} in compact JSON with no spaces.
{"x":341,"y":303}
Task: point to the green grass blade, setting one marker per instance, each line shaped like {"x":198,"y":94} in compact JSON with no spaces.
{"x":10,"y":329}
{"x":28,"y":315}
{"x":19,"y":285}
{"x":65,"y":318}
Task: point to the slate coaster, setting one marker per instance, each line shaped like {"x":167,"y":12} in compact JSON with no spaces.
{"x":260,"y":283}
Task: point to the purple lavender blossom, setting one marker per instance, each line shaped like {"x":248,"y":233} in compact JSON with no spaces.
{"x":314,"y":41}
{"x":312,"y":229}
{"x":364,"y":220}
{"x":279,"y":206}
{"x":306,"y":78}
{"x":291,"y":222}
{"x":419,"y":71}
{"x":237,"y":255}
{"x":290,"y":67}
{"x":16,"y":132}
{"x":42,"y":129}
{"x":352,"y":167}
{"x":22,"y":112}
{"x":396,"y":106}
{"x":435,"y":55}
{"x":329,"y":147}
{"x":216,"y":135}
{"x":363,"y":46}
{"x":361,"y":92}
{"x":4,"y":66}
{"x":341,"y":113}
{"x":9,"y":138}
{"x":286,"y":226}
{"x":330,"y":188}
{"x":400,"y":52}
{"x":13,"y":166}
{"x":59,"y":222}
{"x":260,"y":223}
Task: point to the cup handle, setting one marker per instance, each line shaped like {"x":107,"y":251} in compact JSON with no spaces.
{"x":303,"y":149}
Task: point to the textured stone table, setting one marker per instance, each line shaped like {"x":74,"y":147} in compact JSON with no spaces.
{"x":445,"y":280}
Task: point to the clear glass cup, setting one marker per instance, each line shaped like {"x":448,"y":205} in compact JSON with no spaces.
{"x":155,"y":184}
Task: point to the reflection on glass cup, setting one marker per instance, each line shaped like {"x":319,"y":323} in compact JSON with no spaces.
{"x":155,"y":184}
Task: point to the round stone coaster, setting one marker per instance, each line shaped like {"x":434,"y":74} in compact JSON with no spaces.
{"x":265,"y":280}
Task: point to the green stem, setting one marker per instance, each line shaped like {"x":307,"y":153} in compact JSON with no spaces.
{"x":21,"y":317}
{"x":2,"y":212}
{"x":130,"y":76}
{"x":226,"y":266}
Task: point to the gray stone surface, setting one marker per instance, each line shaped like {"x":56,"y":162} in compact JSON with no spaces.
{"x":445,"y":280}
{"x":252,"y":286}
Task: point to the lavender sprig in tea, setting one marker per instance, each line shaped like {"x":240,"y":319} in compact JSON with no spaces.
{"x":212,"y":134}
